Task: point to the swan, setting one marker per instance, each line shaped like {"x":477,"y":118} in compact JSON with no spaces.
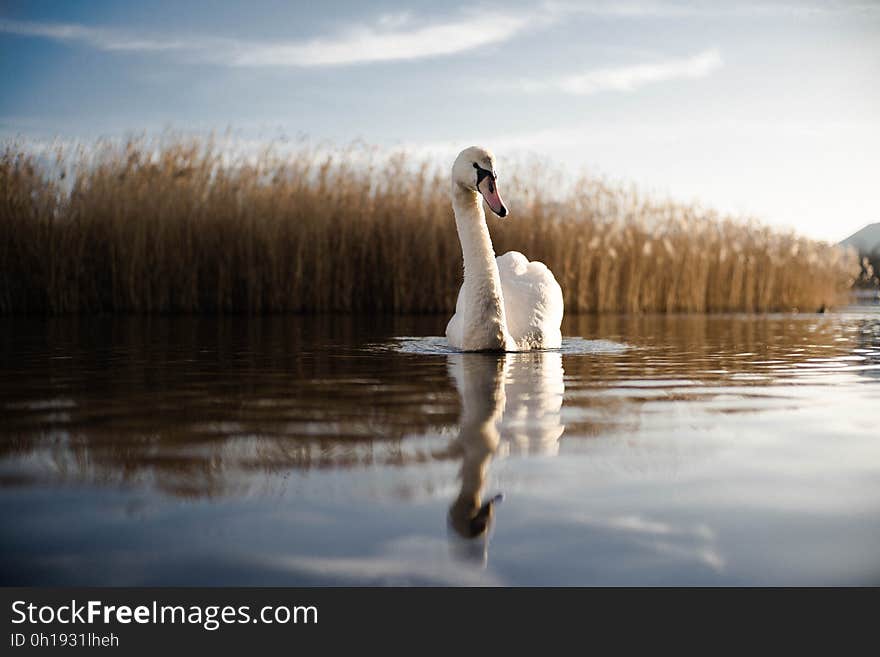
{"x":505,"y":303}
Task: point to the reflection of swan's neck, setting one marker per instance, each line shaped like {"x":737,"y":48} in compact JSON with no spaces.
{"x":482,"y":392}
{"x":482,"y":282}
{"x":479,"y":439}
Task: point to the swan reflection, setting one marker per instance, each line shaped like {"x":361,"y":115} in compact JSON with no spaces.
{"x":510,"y":403}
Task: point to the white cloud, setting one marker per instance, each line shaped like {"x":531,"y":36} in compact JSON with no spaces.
{"x":390,"y":38}
{"x":713,"y":9}
{"x":398,"y":37}
{"x":629,"y":78}
{"x":100,"y":38}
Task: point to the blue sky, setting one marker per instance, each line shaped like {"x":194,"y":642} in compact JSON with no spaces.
{"x":768,"y":109}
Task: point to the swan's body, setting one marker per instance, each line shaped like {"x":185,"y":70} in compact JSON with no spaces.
{"x":505,"y":303}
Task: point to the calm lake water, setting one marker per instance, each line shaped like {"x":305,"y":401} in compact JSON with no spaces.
{"x":706,"y":450}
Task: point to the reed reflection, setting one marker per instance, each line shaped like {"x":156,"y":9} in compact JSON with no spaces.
{"x":207,"y":407}
{"x":511,"y":403}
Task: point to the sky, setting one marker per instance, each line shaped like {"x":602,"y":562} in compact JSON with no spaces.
{"x":769,"y":110}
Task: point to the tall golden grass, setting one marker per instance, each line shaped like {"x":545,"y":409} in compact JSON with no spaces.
{"x":177,"y":226}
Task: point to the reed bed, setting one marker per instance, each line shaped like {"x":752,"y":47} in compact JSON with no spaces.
{"x":179,"y":226}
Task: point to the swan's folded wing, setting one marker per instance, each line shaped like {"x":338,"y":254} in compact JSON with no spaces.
{"x":532,"y":301}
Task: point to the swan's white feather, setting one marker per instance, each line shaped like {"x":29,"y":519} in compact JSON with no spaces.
{"x":532,"y":302}
{"x":532,"y":305}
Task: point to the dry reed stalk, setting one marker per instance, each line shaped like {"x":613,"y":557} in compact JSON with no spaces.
{"x":176,"y":227}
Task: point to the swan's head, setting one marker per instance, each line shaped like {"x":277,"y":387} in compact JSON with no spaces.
{"x":474,"y":169}
{"x":471,"y":520}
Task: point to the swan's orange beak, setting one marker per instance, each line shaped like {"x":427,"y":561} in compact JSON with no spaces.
{"x":489,"y":189}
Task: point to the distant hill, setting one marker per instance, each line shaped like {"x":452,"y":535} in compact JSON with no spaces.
{"x":866,"y":240}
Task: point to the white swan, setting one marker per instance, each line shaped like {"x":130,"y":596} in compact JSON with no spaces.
{"x":505,"y":303}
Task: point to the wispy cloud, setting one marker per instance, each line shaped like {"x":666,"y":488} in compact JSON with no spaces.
{"x":100,"y":38}
{"x":393,"y":38}
{"x":390,"y":38}
{"x":712,"y":9}
{"x":629,"y":78}
{"x":406,"y":37}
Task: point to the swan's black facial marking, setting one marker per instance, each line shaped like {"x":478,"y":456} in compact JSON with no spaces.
{"x":482,"y":173}
{"x":486,"y":185}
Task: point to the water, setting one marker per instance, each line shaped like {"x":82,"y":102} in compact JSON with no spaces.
{"x":707,"y":450}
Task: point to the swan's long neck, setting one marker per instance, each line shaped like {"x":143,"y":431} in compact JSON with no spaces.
{"x":481,"y":277}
